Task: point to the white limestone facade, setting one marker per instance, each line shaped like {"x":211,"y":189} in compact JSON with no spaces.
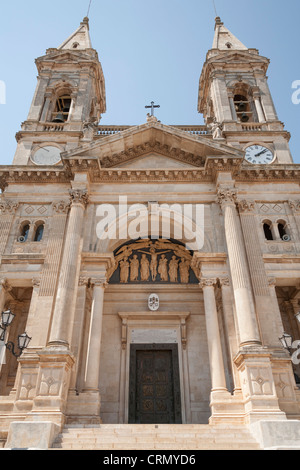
{"x":210,"y":353}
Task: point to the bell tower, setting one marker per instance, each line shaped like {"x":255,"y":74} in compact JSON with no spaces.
{"x":235,"y":98}
{"x":69,"y":99}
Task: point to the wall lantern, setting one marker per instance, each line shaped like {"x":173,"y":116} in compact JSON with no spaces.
{"x":23,"y":339}
{"x":286,"y":341}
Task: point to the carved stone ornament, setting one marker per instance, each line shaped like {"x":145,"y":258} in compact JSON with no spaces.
{"x":207,"y":283}
{"x":79,"y":196}
{"x":226,"y":195}
{"x":295,"y":205}
{"x":153,"y":302}
{"x":224,"y":281}
{"x":246,"y":205}
{"x":61,"y":207}
{"x":8,"y":207}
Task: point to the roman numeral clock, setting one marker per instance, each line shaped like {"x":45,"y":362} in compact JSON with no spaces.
{"x":259,"y":155}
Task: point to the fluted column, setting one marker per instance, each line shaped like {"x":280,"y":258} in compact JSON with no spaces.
{"x":213,"y":336}
{"x":94,"y":346}
{"x":65,"y":298}
{"x":246,"y":315}
{"x":231,"y":329}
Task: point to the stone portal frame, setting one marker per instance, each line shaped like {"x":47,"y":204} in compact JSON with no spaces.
{"x":154,"y":328}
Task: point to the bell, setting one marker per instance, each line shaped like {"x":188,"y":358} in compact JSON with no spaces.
{"x":242,"y":106}
{"x":244,"y":118}
{"x":59,"y":118}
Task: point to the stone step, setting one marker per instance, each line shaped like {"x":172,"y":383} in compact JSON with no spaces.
{"x":156,"y":437}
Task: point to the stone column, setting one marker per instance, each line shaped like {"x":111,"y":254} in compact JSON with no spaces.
{"x":93,"y":354}
{"x":258,"y":106}
{"x":245,"y":311}
{"x":44,"y":115}
{"x":213,"y":336}
{"x":90,"y":396}
{"x":232,"y":106}
{"x":220,"y":98}
{"x":231,"y":328}
{"x":265,"y":306}
{"x":66,"y":292}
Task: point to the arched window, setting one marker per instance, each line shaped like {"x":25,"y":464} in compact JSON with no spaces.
{"x":283,"y":230}
{"x":244,"y":103}
{"x":268,"y":231}
{"x":24,"y":232}
{"x":39,"y":233}
{"x":62,"y":109}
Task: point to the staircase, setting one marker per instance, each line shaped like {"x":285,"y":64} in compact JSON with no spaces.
{"x":156,"y":437}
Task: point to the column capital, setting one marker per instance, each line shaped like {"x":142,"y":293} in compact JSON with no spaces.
{"x":224,"y":281}
{"x":246,"y":205}
{"x":79,"y":196}
{"x":295,"y":205}
{"x":209,"y":282}
{"x":61,"y":207}
{"x":5,"y":284}
{"x":98,"y":282}
{"x":83,"y":281}
{"x":226,"y":195}
{"x":272,"y":281}
{"x":8,"y":207}
{"x":36,"y":282}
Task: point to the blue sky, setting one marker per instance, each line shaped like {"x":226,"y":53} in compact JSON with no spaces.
{"x":149,"y":50}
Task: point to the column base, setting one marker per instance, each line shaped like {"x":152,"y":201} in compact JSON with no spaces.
{"x":226,"y":408}
{"x":84,"y":407}
{"x":259,"y":392}
{"x":49,"y":404}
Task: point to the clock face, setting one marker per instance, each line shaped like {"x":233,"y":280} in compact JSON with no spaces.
{"x":259,"y":155}
{"x":46,"y":156}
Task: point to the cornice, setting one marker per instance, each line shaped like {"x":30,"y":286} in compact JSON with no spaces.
{"x":26,"y":174}
{"x":92,"y":167}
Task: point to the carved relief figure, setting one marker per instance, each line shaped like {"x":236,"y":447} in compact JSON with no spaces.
{"x":153,"y":264}
{"x":184,"y":269}
{"x":134,"y":268}
{"x":173,"y":269}
{"x":163,"y":268}
{"x":145,"y":272}
{"x":124,"y":271}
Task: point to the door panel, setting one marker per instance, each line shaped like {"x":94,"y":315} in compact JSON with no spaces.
{"x":154,"y":385}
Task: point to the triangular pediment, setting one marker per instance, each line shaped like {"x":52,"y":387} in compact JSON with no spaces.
{"x":155,"y":160}
{"x":239,"y":57}
{"x":66,"y":56}
{"x":153,"y":144}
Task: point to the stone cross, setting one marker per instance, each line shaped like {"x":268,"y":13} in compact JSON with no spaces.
{"x":152,"y":107}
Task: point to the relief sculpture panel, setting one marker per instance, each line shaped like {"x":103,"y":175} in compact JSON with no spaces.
{"x":153,"y":261}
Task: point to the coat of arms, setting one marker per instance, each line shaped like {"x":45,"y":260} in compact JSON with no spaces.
{"x":153,"y":302}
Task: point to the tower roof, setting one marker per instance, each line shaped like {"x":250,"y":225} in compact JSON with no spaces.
{"x":80,"y":39}
{"x":225,"y":40}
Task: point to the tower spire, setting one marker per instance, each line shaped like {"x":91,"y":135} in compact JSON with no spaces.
{"x":80,"y":39}
{"x":224,"y":39}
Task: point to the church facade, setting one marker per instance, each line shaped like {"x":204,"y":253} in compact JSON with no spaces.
{"x":154,"y":267}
